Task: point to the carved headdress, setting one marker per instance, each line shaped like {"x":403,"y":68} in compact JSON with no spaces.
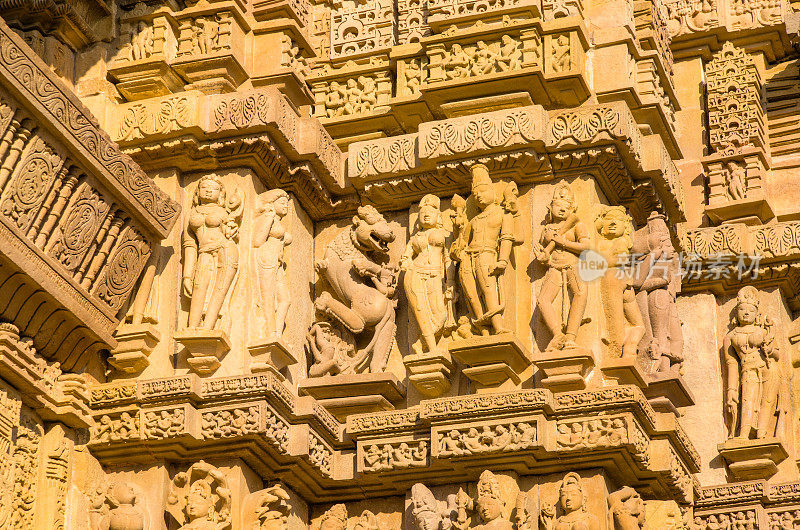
{"x":480,"y":176}
{"x":488,"y":486}
{"x":563,"y":192}
{"x":573,"y":480}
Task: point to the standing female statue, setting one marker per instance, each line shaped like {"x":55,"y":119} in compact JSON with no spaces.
{"x":425,"y":264}
{"x":210,"y":251}
{"x":755,"y":402}
{"x":271,"y":238}
{"x":624,"y":323}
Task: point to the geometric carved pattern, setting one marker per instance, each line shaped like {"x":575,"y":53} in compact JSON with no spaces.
{"x":735,"y":101}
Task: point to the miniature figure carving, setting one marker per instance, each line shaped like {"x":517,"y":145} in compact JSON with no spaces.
{"x":425,"y":262}
{"x":625,"y":510}
{"x":199,"y":499}
{"x":483,"y":249}
{"x":563,"y":239}
{"x":271,"y":238}
{"x":658,"y":282}
{"x":126,"y":511}
{"x":756,"y":402}
{"x":335,"y":518}
{"x":380,"y":458}
{"x":510,"y":56}
{"x":736,"y":180}
{"x":624,"y":325}
{"x":355,"y":265}
{"x":561,"y":54}
{"x":330,"y":349}
{"x":141,"y":46}
{"x":572,"y":504}
{"x":210,"y":249}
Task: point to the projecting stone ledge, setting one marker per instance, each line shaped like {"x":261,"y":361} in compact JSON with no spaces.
{"x":753,"y":459}
{"x":343,"y":395}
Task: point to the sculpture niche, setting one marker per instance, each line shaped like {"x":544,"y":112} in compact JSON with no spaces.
{"x":756,"y":392}
{"x":430,"y":292}
{"x":355,"y":266}
{"x":199,"y":499}
{"x":485,"y":234}
{"x":270,"y":239}
{"x":354,"y":337}
{"x":210,"y":262}
{"x":756,"y":404}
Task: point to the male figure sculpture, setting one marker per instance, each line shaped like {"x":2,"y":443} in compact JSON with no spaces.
{"x":486,"y":242}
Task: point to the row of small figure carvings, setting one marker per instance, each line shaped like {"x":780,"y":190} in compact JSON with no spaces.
{"x":200,"y":499}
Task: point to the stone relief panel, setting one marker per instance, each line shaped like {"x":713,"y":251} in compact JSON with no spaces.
{"x":358,"y":28}
{"x":364,"y":283}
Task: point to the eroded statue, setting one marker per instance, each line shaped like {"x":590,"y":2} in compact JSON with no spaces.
{"x":425,"y":262}
{"x":570,"y":514}
{"x":429,"y":514}
{"x":483,"y":247}
{"x":563,"y":239}
{"x":625,"y":510}
{"x":357,"y":269}
{"x":210,"y":250}
{"x":266,"y":509}
{"x":199,"y":498}
{"x":335,"y":518}
{"x":658,"y":281}
{"x":756,"y":395}
{"x":122,"y":509}
{"x":624,"y":325}
{"x":270,"y":238}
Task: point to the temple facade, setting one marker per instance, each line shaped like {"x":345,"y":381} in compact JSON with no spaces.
{"x":399,"y":264}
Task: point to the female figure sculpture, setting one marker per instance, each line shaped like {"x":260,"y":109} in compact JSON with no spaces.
{"x":211,"y":254}
{"x":624,"y":324}
{"x":490,"y":505}
{"x":563,"y":239}
{"x":572,"y":501}
{"x":271,"y":238}
{"x":755,"y":403}
{"x":425,"y":264}
{"x":199,"y":499}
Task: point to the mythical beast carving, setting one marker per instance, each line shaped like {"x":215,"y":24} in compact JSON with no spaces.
{"x":356,"y":267}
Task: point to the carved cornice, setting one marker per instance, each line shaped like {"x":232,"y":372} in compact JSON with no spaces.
{"x":699,"y":27}
{"x":57,"y":109}
{"x":439,"y":441}
{"x":400,"y":169}
{"x":258,"y":128}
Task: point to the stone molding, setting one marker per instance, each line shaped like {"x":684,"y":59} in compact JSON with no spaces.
{"x":67,"y":118}
{"x":142,"y":416}
{"x":401,"y":169}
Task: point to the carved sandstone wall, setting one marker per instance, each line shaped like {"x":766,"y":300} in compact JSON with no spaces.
{"x":413,"y":264}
